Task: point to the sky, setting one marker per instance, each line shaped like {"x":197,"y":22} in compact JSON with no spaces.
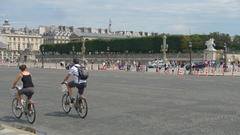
{"x":162,"y":16}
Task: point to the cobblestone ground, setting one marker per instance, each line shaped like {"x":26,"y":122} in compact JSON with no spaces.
{"x":130,"y":103}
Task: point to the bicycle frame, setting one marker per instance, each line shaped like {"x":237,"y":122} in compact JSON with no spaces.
{"x":27,"y":108}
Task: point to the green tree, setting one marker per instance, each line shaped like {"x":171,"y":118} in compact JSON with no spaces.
{"x":220,"y":39}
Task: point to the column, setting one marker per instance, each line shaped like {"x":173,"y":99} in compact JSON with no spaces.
{"x":12,"y":56}
{"x":2,"y":56}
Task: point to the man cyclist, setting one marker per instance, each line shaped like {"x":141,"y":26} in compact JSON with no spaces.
{"x":76,"y":82}
{"x":26,"y":78}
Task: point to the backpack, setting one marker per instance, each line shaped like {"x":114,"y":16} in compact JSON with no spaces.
{"x":82,"y":73}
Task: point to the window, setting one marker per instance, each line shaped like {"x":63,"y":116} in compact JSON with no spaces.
{"x":28,"y":45}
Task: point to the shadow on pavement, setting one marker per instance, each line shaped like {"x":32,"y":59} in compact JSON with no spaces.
{"x":61,"y":114}
{"x":12,"y":119}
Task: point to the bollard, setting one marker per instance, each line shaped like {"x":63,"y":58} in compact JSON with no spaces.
{"x":181,"y":72}
{"x":206,"y":71}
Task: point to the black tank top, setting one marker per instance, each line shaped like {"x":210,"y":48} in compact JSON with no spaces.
{"x":27,"y":81}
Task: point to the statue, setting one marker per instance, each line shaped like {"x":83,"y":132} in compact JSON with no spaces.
{"x":210,"y":53}
{"x":210,"y":43}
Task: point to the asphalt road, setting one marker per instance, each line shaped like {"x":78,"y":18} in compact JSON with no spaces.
{"x":124,"y":103}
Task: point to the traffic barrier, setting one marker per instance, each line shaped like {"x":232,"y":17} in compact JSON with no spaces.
{"x":206,"y":71}
{"x":181,"y":71}
{"x":195,"y":72}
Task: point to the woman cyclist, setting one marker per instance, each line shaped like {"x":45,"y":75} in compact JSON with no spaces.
{"x":26,"y":78}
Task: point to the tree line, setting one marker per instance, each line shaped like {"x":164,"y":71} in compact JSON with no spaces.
{"x":176,"y":43}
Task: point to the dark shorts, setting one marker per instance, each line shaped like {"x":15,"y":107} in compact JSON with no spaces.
{"x":80,"y":86}
{"x":27,"y":91}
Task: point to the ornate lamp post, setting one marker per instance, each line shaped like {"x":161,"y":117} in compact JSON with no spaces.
{"x":190,"y":56}
{"x":225,"y":56}
{"x":42,"y":52}
{"x":8,"y":52}
{"x":83,"y":49}
{"x":164,"y":49}
{"x":73,"y":51}
{"x":108,"y":51}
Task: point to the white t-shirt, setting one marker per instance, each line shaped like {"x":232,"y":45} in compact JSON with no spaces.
{"x":74,"y":72}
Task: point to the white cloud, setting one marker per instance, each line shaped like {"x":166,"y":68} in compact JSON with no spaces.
{"x":171,"y":15}
{"x":178,"y":28}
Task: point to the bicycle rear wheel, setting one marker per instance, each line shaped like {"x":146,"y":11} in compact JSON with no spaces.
{"x":66,"y":103}
{"x":17,"y":112}
{"x":31,"y":115}
{"x":82,"y":108}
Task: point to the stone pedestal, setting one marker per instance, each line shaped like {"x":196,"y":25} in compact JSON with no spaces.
{"x":210,"y":55}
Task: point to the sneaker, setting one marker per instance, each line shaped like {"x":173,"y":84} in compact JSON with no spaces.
{"x":30,"y":113}
{"x":71,"y":105}
{"x":72,"y":100}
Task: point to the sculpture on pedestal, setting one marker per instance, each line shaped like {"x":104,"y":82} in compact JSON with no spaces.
{"x":210,"y":53}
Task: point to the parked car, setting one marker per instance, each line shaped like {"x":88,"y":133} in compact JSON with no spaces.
{"x":199,"y":65}
{"x":156,"y":63}
{"x":195,"y":65}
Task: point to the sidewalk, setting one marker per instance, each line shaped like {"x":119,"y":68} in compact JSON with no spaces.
{"x":7,"y":130}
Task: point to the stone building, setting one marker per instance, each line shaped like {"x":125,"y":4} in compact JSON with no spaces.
{"x":25,"y":41}
{"x":56,"y":35}
{"x":3,"y":52}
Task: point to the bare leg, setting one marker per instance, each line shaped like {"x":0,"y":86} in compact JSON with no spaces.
{"x":82,"y":96}
{"x":19,"y":99}
{"x":69,"y":90}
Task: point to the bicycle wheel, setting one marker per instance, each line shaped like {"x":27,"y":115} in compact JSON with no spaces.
{"x":82,"y":108}
{"x":17,"y":112}
{"x":66,"y":103}
{"x":31,"y":115}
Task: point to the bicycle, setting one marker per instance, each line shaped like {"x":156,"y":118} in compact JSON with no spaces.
{"x":80,"y":104}
{"x":26,"y":108}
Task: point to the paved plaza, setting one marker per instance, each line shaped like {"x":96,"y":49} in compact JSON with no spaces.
{"x":131,"y":103}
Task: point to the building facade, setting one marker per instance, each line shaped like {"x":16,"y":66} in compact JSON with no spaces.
{"x":20,"y":42}
{"x":56,"y":35}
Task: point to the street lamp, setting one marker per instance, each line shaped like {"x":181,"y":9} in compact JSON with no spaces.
{"x":73,"y":51}
{"x":42,"y":52}
{"x":225,"y":56}
{"x":108,"y":61}
{"x":83,"y":49}
{"x":108,"y":49}
{"x":190,"y":56}
{"x":164,"y":49}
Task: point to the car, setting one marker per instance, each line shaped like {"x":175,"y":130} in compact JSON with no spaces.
{"x":156,"y":63}
{"x":195,"y":65}
{"x":199,"y":65}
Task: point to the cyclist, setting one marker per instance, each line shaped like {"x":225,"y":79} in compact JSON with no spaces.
{"x":76,"y":82}
{"x":26,"y":78}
